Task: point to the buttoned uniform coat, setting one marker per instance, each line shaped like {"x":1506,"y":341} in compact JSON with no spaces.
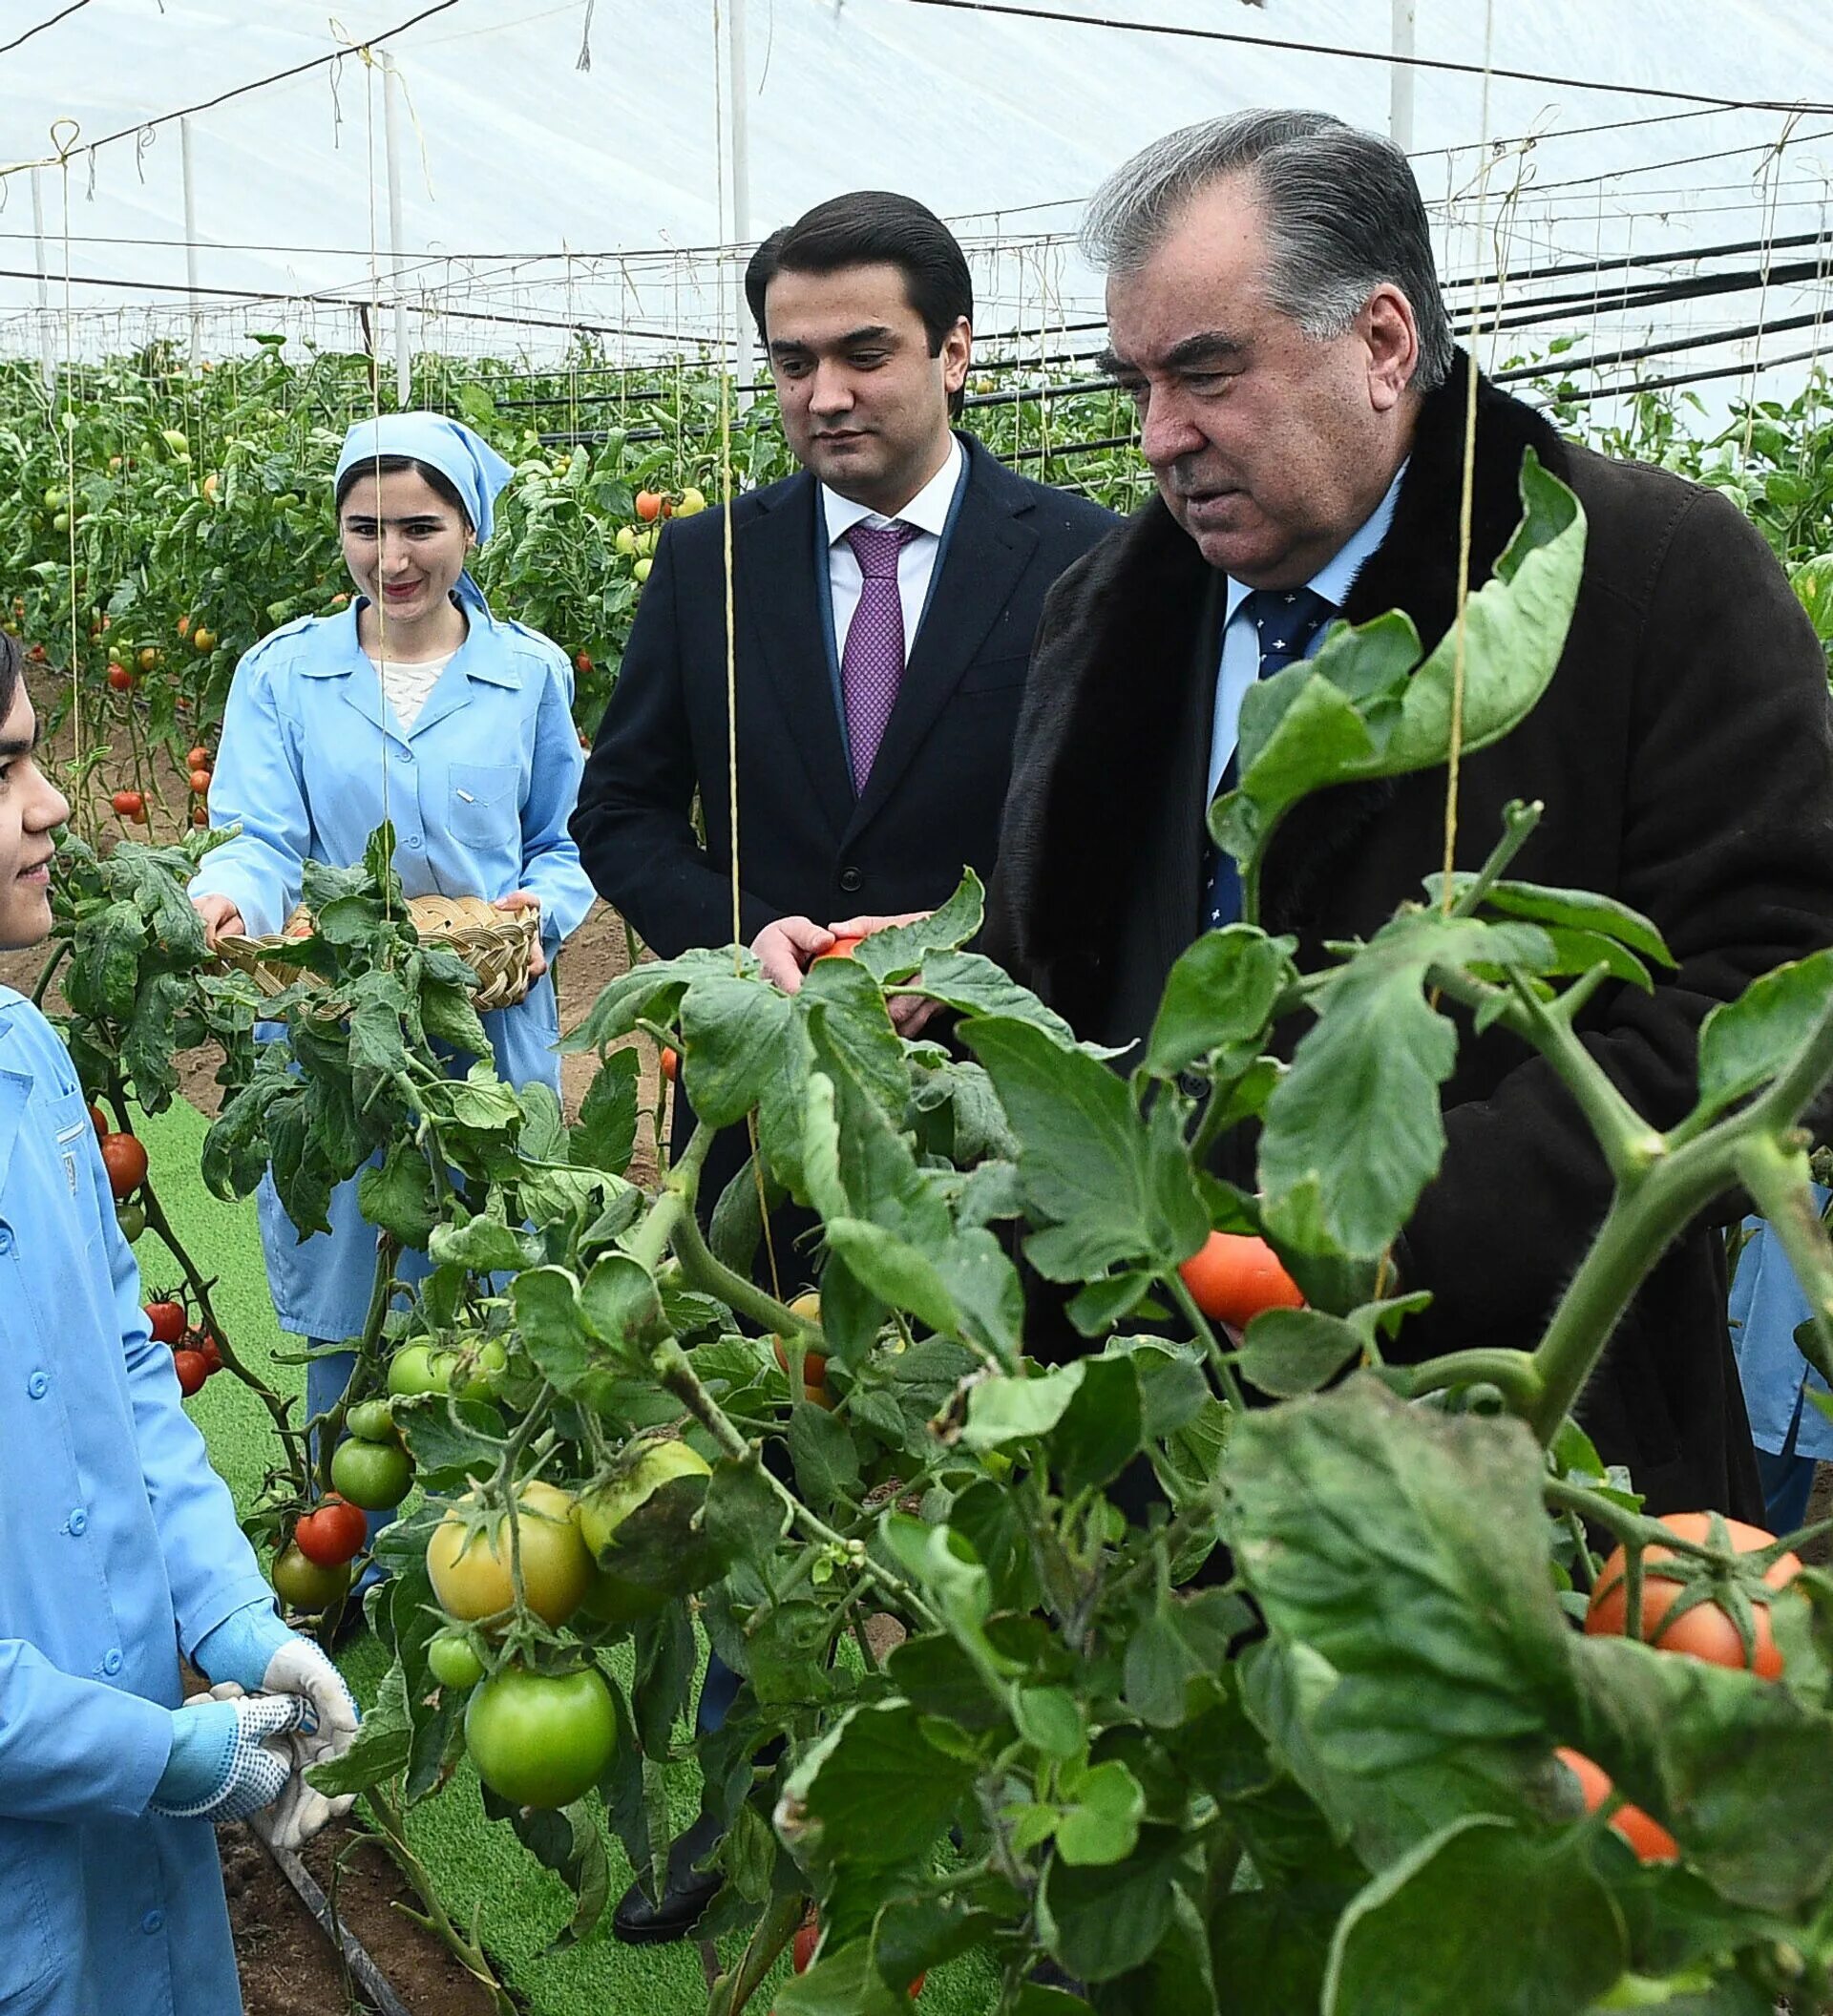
{"x":1682,"y":752}
{"x":118,"y":1546}
{"x":808,"y":844}
{"x":479,"y":790}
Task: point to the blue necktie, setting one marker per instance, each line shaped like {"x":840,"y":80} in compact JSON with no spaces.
{"x":1286,"y":621}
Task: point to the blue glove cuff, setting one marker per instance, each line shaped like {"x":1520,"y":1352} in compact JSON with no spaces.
{"x":203,"y":1740}
{"x":240,"y":1647}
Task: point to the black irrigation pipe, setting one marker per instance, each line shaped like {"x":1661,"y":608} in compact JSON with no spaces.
{"x":364,"y":1971}
{"x":1559,"y":365}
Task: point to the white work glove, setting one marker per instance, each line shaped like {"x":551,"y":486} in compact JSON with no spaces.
{"x":229,"y":1757}
{"x":252,"y":1651}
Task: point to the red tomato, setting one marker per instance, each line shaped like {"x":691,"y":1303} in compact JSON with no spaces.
{"x":120,"y":679}
{"x":166,"y":1321}
{"x":1646,"y":1834}
{"x":582,"y":663}
{"x":128,"y":805}
{"x":331,"y":1534}
{"x":98,"y":1119}
{"x":841,"y":948}
{"x":124,"y":1156}
{"x":648,"y":506}
{"x":205,"y":1343}
{"x":199,"y":781}
{"x":807,"y":1937}
{"x":192,"y":1369}
{"x":200,"y":815}
{"x":1705,"y":1630}
{"x":197,"y":759}
{"x":1233,"y":1277}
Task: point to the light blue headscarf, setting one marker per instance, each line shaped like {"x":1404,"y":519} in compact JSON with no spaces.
{"x":474,"y":468}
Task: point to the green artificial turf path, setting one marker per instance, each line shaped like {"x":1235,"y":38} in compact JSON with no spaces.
{"x":478,"y":1867}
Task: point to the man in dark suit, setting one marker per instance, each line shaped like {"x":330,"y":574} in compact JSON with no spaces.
{"x":854,"y":802}
{"x":1273,"y":307}
{"x":886,"y":599}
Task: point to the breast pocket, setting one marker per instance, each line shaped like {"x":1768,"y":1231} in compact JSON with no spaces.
{"x":995,"y":675}
{"x":486,"y":803}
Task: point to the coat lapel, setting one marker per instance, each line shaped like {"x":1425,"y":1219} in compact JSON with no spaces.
{"x":779,"y":578}
{"x":988,"y":551}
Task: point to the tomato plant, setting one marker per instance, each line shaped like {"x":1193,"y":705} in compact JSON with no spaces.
{"x":1187,"y":1685}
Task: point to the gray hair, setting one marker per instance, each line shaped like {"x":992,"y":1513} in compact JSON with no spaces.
{"x":1343,"y":213}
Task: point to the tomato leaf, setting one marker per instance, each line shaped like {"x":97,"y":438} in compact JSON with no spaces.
{"x":1746,"y":1042}
{"x":873,"y":1792}
{"x":1286,"y":1352}
{"x":1356,"y":1117}
{"x":1549,"y":1928}
{"x":1104,"y":1920}
{"x":1575,"y":909}
{"x":1221,"y":991}
{"x":1103,"y":1189}
{"x":1402,"y":1561}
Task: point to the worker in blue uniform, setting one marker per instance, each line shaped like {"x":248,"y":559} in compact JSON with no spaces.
{"x":119,"y":1550}
{"x":416,"y":704}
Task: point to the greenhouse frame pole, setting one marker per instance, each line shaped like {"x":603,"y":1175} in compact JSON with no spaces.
{"x":1400,"y":100}
{"x":44,"y":293}
{"x":191,"y":241}
{"x":391,"y":138}
{"x":737,"y":94}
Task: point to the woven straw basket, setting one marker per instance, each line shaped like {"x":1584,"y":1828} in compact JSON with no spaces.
{"x":495,"y":944}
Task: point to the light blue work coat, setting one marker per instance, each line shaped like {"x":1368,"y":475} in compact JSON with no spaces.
{"x":118,"y":1544}
{"x":480,"y":791}
{"x":1767,"y":1306}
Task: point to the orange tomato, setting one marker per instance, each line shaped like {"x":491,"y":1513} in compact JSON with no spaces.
{"x":199,"y":781}
{"x":648,"y":506}
{"x":1232,"y":1276}
{"x":842,"y":948}
{"x":1646,"y":1836}
{"x":197,"y":759}
{"x":668,"y":1063}
{"x":1705,"y":1630}
{"x":814,"y":1369}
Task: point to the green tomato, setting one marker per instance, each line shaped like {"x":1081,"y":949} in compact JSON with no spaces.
{"x":659,"y":1463}
{"x":477,"y":1375}
{"x":453,"y":1662}
{"x":303,"y":1585}
{"x":131,"y":1219}
{"x":373,"y":1475}
{"x":61,"y":522}
{"x":415,"y":1369}
{"x":537,"y":1740}
{"x":371,"y":1421}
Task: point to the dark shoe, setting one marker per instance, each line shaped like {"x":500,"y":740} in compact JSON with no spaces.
{"x":639,"y":1922}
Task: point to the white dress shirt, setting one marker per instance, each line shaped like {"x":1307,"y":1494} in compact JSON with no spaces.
{"x":927,"y":512}
{"x":1240,"y":664}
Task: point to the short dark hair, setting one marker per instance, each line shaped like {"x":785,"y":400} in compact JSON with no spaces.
{"x":870,"y":227}
{"x":437,"y":481}
{"x":1343,"y":214}
{"x":12,"y":668}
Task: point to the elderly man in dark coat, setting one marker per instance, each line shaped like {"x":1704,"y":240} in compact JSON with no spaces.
{"x":1274,"y":310}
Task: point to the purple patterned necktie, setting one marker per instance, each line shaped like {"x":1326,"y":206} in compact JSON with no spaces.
{"x":872,"y":667}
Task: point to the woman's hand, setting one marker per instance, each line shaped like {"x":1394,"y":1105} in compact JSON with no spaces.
{"x":527,"y":899}
{"x":221,"y":919}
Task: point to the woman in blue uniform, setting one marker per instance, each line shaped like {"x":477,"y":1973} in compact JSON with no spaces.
{"x":120,"y":1549}
{"x":420,"y":706}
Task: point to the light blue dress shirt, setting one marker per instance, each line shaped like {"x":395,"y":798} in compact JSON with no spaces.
{"x":1240,"y":664}
{"x":480,"y":791}
{"x":121,"y":1550}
